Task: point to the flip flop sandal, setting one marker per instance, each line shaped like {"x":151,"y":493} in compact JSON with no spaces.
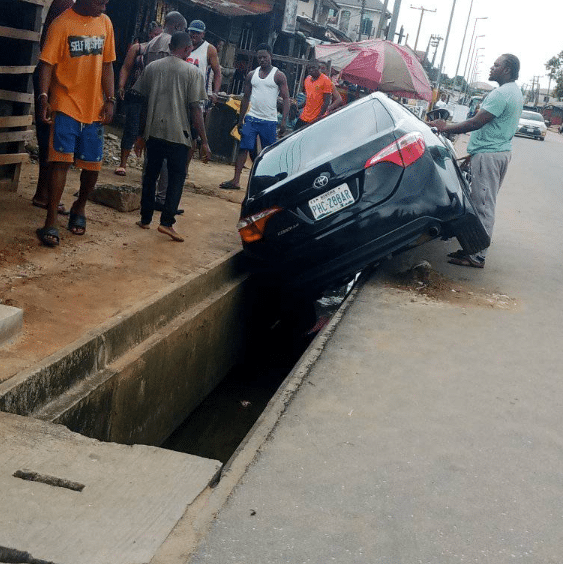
{"x":120,"y":171}
{"x":76,"y":221}
{"x":171,"y":233}
{"x":457,"y":254}
{"x":49,"y":236}
{"x":229,"y":185}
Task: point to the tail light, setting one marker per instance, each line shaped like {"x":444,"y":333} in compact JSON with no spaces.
{"x":403,"y":152}
{"x":251,"y":228}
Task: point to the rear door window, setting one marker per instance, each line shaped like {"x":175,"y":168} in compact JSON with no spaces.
{"x":336,"y":135}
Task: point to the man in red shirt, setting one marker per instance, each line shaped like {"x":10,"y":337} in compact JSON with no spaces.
{"x":318,"y":89}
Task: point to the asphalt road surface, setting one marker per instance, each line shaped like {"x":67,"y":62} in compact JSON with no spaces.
{"x":428,"y":431}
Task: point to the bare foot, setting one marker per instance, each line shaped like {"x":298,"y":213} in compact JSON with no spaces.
{"x":142,"y":225}
{"x":171,"y":233}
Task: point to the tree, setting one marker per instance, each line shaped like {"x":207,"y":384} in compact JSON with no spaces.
{"x":555,"y":71}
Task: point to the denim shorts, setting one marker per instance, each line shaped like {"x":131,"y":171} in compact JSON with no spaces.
{"x":72,"y":141}
{"x":267,"y":130}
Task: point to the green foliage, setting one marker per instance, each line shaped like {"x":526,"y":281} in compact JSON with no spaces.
{"x":554,"y":69}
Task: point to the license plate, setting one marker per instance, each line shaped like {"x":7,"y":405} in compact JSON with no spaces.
{"x":330,"y":202}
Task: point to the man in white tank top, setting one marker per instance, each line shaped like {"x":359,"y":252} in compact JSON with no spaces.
{"x":261,"y":89}
{"x":204,"y":55}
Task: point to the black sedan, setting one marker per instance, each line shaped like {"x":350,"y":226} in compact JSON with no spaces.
{"x":360,"y":185}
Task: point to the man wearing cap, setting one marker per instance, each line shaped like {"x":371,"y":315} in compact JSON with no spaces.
{"x":204,"y":57}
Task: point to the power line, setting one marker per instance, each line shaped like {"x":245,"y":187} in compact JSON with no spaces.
{"x":422,"y":10}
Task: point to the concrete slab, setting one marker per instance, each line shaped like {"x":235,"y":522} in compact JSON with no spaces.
{"x":11,"y":322}
{"x":68,"y":499}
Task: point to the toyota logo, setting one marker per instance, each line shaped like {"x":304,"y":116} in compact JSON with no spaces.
{"x":321,"y":181}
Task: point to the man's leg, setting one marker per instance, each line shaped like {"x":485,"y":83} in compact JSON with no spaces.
{"x":177,"y":157}
{"x":153,"y":165}
{"x":56,"y":186}
{"x":162,"y":186}
{"x":247,"y":143}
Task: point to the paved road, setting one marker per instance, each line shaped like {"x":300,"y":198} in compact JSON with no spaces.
{"x":428,"y":431}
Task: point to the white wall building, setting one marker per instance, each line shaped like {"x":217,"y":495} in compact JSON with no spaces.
{"x":347,"y":18}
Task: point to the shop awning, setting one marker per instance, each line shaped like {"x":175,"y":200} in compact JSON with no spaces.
{"x":235,"y":7}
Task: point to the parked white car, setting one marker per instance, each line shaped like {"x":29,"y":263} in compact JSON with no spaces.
{"x":532,"y":124}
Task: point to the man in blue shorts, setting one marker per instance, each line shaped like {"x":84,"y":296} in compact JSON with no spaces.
{"x":261,"y":89}
{"x":76,"y":98}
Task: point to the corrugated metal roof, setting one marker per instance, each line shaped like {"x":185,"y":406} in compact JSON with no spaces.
{"x":236,"y":7}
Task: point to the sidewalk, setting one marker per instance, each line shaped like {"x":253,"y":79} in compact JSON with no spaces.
{"x":69,"y":290}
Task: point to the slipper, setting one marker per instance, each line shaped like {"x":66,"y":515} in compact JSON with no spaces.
{"x":460,"y":253}
{"x":171,"y":233}
{"x":120,"y":171}
{"x":76,"y":223}
{"x":60,"y":208}
{"x":229,"y":185}
{"x":143,"y":225}
{"x":49,"y":236}
{"x":467,"y":261}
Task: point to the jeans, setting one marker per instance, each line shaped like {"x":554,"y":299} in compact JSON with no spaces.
{"x":176,"y":156}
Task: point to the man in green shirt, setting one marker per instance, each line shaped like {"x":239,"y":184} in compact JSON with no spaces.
{"x":493,"y":128}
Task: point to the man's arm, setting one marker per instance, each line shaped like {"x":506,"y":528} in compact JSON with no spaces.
{"x":214,"y":64}
{"x":336,"y":100}
{"x":481,"y":118}
{"x":281,"y":80}
{"x":127,"y":67}
{"x":247,"y":91}
{"x":197,"y":120}
{"x":140,"y":142}
{"x":326,"y":103}
{"x":108,"y":89}
{"x":45,"y":75}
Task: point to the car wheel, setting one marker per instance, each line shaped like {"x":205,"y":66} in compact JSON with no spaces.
{"x":542,"y":138}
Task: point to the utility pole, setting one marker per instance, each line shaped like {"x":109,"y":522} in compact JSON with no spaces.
{"x":445,"y":47}
{"x":435,"y":42}
{"x":422,"y":10}
{"x":362,"y":12}
{"x":382,"y":20}
{"x":394,"y":18}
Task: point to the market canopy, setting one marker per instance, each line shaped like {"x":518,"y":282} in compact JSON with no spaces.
{"x":378,"y":64}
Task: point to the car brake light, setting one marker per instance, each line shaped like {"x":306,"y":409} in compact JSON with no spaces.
{"x":251,"y":228}
{"x":403,"y":152}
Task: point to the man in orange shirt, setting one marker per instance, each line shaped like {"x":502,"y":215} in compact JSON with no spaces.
{"x":318,"y":89}
{"x":77,"y":97}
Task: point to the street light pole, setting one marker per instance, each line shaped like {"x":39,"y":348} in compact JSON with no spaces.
{"x":463,"y":43}
{"x":471,"y":44}
{"x":445,"y":47}
{"x":472,"y":52}
{"x":474,"y":66}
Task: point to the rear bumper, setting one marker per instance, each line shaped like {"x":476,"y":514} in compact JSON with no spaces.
{"x":321,"y":275}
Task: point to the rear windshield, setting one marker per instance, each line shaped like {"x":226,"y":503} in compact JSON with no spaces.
{"x":532,"y":115}
{"x":336,"y":135}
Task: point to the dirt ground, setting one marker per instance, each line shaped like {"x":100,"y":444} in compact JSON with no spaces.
{"x":68,"y":290}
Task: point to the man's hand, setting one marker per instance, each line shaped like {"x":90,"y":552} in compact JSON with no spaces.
{"x":213,"y":97}
{"x":139,"y":146}
{"x":107,"y":112}
{"x":239,"y":127}
{"x":45,"y":113}
{"x":439,"y":124}
{"x":204,"y":153}
{"x":121,"y":93}
{"x":282,"y":128}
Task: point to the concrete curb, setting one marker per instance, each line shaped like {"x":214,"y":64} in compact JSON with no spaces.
{"x":11,"y":322}
{"x":198,"y":518}
{"x":33,"y":388}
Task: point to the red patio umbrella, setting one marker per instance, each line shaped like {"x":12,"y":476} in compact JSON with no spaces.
{"x":378,"y":64}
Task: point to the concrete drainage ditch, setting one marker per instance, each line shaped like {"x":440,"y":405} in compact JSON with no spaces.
{"x":135,"y":379}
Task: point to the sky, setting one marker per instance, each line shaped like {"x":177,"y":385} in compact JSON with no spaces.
{"x":511,"y":27}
